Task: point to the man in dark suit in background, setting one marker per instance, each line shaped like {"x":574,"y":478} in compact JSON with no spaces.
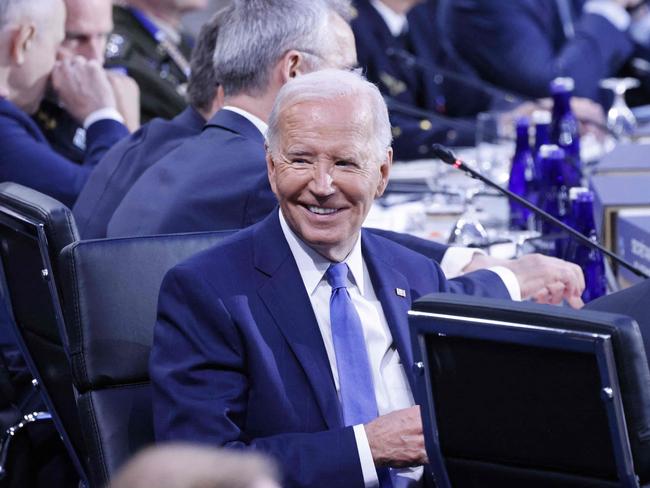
{"x":522,"y":45}
{"x":127,"y":160}
{"x":216,"y":180}
{"x":385,"y":32}
{"x":29,"y":40}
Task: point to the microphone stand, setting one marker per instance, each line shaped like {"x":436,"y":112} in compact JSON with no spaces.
{"x":448,"y":157}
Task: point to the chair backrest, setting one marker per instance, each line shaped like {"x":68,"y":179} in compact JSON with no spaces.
{"x":33,"y":230}
{"x":111,"y":292}
{"x":528,"y":395}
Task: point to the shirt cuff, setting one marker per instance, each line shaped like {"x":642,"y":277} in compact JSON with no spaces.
{"x":368,"y":470}
{"x":509,"y":280}
{"x":456,"y":258}
{"x":611,"y":10}
{"x":102,"y":114}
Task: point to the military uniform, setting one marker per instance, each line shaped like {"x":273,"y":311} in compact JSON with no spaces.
{"x":160,"y":67}
{"x":61,"y":130}
{"x":411,"y":86}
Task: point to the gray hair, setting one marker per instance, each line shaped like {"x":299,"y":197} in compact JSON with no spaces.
{"x":327,"y":85}
{"x":343,"y":8}
{"x":256,"y":33}
{"x":11,"y":10}
{"x":203,"y":81}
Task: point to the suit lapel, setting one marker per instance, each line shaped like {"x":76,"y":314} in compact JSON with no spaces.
{"x":389,"y":285}
{"x":286,"y":299}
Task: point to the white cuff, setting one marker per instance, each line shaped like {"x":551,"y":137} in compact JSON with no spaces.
{"x":509,"y":280}
{"x":368,"y":470}
{"x":456,"y":258}
{"x":102,"y":114}
{"x":611,"y":10}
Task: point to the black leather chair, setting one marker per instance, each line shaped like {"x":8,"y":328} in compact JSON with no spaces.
{"x":33,"y":230}
{"x":517,"y":394}
{"x":111,"y":288}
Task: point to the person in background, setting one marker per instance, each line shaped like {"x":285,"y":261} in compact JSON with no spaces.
{"x":403,"y":48}
{"x":127,"y":160}
{"x":87,"y":26}
{"x":181,"y":465}
{"x":149,"y":43}
{"x":31,"y":32}
{"x":522,"y":45}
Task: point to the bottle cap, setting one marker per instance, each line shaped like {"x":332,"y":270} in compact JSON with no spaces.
{"x":562,"y":84}
{"x":576,"y":191}
{"x":583,"y":196}
{"x":541,"y":117}
{"x":522,"y":121}
{"x":551,"y":151}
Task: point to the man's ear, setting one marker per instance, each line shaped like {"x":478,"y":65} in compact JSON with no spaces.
{"x":384,"y":171}
{"x":293,"y":63}
{"x":21,"y":40}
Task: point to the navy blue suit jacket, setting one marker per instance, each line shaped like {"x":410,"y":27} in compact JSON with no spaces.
{"x":238,"y":359}
{"x":216,"y":180}
{"x":27,"y":158}
{"x":414,"y":86}
{"x":520,"y":44}
{"x":120,"y":168}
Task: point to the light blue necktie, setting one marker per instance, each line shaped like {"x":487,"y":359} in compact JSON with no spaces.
{"x":355,"y":378}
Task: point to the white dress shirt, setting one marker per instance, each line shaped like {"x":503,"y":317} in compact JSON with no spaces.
{"x":253,"y":119}
{"x":396,"y":23}
{"x":392,"y":391}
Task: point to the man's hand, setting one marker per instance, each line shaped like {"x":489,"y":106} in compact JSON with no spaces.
{"x":627,"y":4}
{"x":82,"y":86}
{"x":541,"y":278}
{"x":396,"y":439}
{"x":127,"y":97}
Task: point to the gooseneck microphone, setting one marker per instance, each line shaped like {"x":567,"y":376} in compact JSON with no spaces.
{"x":446,"y":156}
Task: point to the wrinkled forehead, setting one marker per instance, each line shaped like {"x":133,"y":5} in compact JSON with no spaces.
{"x":328,"y":127}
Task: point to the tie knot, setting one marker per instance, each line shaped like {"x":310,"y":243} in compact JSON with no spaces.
{"x":336,"y":275}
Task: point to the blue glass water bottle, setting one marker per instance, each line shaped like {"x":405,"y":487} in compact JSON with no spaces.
{"x":522,"y":175}
{"x":554,"y":196}
{"x":564,"y":129}
{"x":590,"y":260}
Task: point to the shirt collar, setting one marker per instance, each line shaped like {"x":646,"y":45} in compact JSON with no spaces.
{"x":253,"y":119}
{"x":312,"y":266}
{"x":396,"y":23}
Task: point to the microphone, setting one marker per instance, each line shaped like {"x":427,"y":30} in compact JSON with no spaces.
{"x":446,"y":156}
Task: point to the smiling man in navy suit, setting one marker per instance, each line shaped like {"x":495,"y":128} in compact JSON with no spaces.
{"x":291,"y":337}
